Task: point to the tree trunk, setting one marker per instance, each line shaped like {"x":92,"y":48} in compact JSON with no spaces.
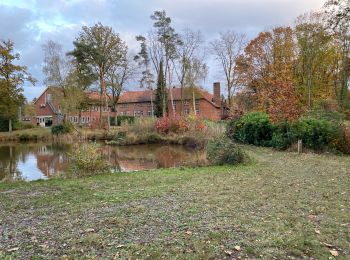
{"x":115,"y":115}
{"x":10,"y":125}
{"x":194,"y":102}
{"x":309,"y":91}
{"x":152,"y":109}
{"x":172,"y":101}
{"x":164,"y":102}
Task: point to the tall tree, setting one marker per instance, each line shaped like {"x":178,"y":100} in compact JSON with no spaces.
{"x":161,"y":99}
{"x":12,"y":78}
{"x":143,"y":60}
{"x":99,"y":48}
{"x":163,"y":47}
{"x":267,"y":68}
{"x":197,"y":70}
{"x":118,"y":75}
{"x":189,"y":55}
{"x":314,"y":45}
{"x":338,"y":13}
{"x":227,"y":50}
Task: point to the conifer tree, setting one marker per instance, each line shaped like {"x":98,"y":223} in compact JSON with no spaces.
{"x":161,"y":94}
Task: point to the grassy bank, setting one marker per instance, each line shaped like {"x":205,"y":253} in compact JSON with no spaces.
{"x":31,"y":134}
{"x":281,"y":205}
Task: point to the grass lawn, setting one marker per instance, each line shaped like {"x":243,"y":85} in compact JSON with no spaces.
{"x":281,"y":205}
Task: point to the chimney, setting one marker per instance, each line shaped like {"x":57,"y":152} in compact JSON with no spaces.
{"x":216,"y":92}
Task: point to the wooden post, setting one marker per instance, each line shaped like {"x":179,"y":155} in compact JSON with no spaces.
{"x":300,"y":146}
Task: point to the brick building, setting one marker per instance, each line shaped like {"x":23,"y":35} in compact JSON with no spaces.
{"x":135,"y":103}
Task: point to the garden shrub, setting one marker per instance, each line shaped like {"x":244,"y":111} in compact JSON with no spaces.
{"x":86,"y":160}
{"x":62,"y":129}
{"x":177,"y":124}
{"x":282,"y":137}
{"x":223,"y":151}
{"x":252,"y":128}
{"x":317,"y":134}
{"x":180,"y":124}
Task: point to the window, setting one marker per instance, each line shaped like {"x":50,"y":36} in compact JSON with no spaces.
{"x":83,"y":119}
{"x":124,"y":105}
{"x":197,"y":102}
{"x":197,"y":111}
{"x":149,"y":113}
{"x":186,"y":102}
{"x":49,"y":98}
{"x":174,"y":104}
{"x":187,"y":111}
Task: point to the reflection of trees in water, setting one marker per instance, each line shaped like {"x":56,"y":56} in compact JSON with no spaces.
{"x":50,"y":158}
{"x":140,"y":157}
{"x":9,"y":157}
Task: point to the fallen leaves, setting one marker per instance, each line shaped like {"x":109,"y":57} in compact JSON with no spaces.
{"x":13,"y":249}
{"x":334,"y":252}
{"x":228,"y":252}
{"x":326,"y":244}
{"x":311,"y":217}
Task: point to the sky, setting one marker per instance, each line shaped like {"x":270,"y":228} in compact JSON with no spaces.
{"x":31,"y":23}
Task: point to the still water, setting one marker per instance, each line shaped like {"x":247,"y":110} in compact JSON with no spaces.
{"x":33,"y":161}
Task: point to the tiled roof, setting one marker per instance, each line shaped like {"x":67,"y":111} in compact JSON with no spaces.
{"x":145,"y":95}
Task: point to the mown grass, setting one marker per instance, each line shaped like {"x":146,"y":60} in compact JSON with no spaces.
{"x":282,"y":205}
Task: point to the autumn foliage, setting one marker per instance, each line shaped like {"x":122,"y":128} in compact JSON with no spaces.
{"x":179,"y":124}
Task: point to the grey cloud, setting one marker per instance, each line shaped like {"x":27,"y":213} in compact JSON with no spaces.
{"x":28,"y":27}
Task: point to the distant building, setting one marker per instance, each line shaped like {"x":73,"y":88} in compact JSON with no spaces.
{"x":133,"y":103}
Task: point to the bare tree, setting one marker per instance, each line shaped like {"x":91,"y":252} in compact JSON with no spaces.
{"x":60,"y":73}
{"x":197,"y":70}
{"x":117,"y":76}
{"x":56,"y":65}
{"x":226,"y":50}
{"x":189,"y":52}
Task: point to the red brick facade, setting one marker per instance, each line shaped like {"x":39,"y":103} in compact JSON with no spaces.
{"x":135,"y":103}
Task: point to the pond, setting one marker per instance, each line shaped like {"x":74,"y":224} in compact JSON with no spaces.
{"x":33,"y":161}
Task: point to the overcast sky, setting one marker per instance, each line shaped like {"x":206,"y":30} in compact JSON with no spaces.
{"x":30,"y":23}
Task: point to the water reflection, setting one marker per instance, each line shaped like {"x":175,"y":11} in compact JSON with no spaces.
{"x":32,"y":161}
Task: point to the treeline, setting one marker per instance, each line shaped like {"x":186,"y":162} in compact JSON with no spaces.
{"x":287,"y":71}
{"x":284,"y":72}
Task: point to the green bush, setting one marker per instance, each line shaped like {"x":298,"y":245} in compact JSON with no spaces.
{"x":282,"y":137}
{"x":252,"y":128}
{"x":62,"y":129}
{"x":86,"y":160}
{"x":317,"y":134}
{"x":122,"y":119}
{"x":223,"y":151}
